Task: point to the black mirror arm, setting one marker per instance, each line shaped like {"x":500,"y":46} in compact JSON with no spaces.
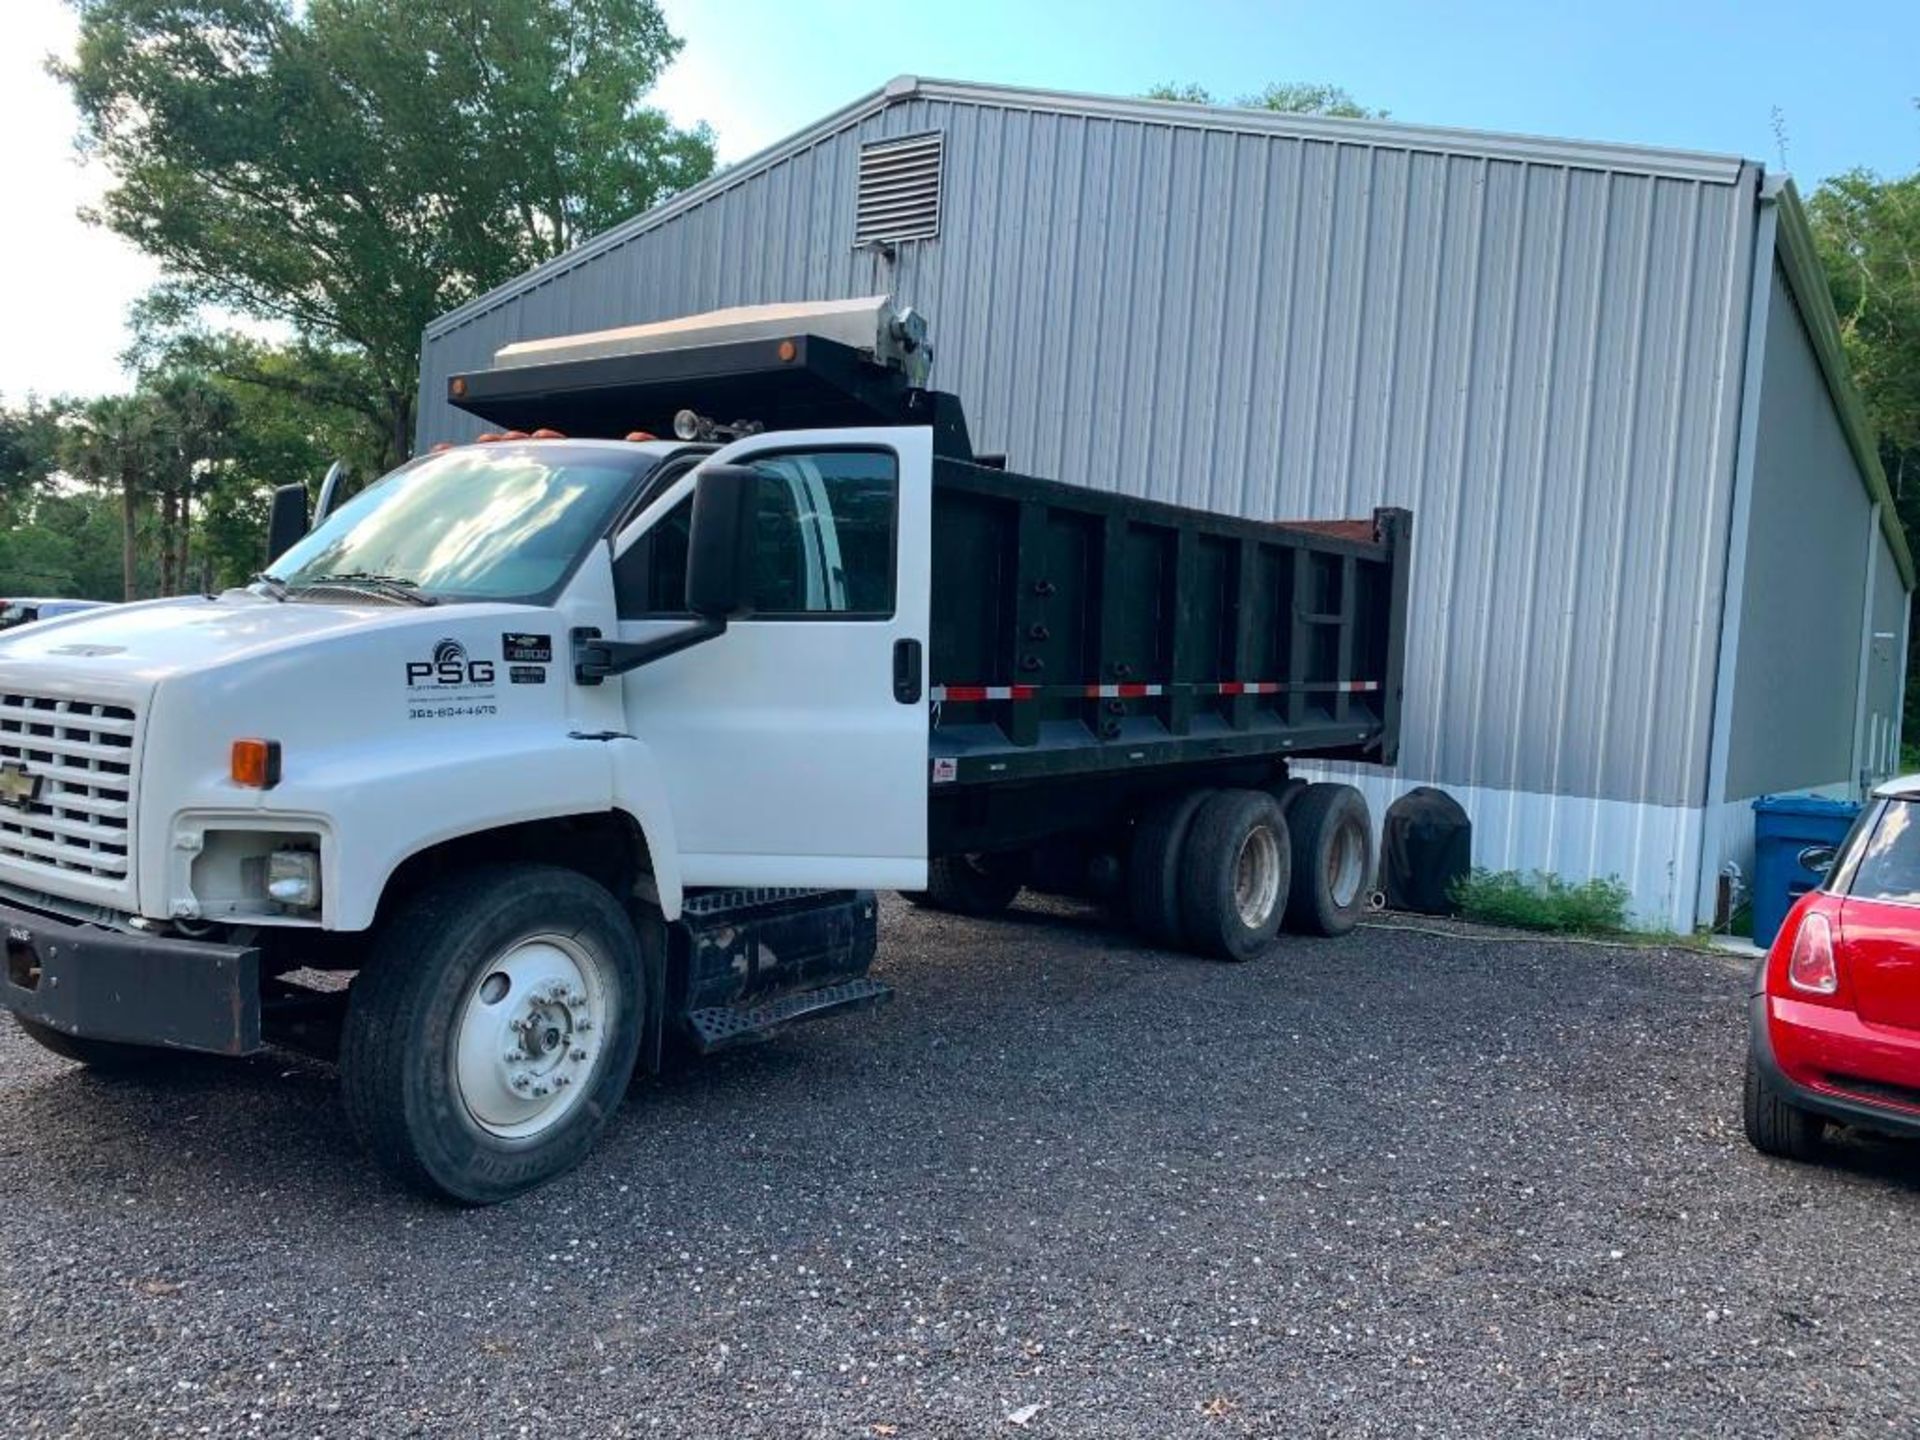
{"x":595,"y":658}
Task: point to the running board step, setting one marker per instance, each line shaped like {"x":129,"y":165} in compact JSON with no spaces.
{"x":720,"y":1026}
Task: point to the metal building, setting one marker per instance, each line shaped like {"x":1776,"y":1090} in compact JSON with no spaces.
{"x":1657,"y":570}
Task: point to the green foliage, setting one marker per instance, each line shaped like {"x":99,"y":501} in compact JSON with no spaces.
{"x":1288,"y":97}
{"x":1868,"y":234}
{"x":1867,"y":231}
{"x":355,"y":167}
{"x":1540,"y":900}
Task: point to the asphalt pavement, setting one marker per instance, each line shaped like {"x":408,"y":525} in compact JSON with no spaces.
{"x":1064,"y":1185}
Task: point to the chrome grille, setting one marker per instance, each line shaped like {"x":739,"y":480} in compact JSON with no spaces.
{"x":79,"y":820}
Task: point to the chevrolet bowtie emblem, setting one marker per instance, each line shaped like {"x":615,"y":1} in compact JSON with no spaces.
{"x":18,"y":788}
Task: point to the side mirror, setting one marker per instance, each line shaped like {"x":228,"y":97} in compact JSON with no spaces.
{"x":720,"y":547}
{"x":1817,"y":858}
{"x":287,"y":523}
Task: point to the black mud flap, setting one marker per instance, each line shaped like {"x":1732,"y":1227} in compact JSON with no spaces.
{"x":104,"y":984}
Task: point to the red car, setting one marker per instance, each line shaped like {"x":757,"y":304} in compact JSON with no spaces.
{"x":1834,"y":1023}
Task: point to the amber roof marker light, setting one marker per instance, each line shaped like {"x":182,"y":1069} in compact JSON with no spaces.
{"x":787,"y":351}
{"x":457,"y":386}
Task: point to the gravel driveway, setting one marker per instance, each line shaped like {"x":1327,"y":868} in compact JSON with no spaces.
{"x":1373,"y":1186}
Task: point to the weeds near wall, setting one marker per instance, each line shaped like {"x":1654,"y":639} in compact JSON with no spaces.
{"x":1540,"y":900}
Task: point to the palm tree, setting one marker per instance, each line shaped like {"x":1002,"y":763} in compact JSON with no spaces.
{"x":194,"y":416}
{"x":113,"y":442}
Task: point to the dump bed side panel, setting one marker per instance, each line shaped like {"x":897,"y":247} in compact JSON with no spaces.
{"x":1076,"y":632}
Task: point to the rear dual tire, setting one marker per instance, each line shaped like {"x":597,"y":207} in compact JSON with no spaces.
{"x":1332,"y":859}
{"x":1221,"y":871}
{"x":1236,"y":865}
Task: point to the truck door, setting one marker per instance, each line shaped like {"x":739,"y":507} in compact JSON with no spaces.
{"x":794,"y":747}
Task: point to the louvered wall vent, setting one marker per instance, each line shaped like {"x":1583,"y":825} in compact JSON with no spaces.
{"x":899,"y":190}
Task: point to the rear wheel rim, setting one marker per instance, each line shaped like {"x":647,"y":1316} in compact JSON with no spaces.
{"x":531,"y":1035}
{"x":1256,"y":877}
{"x":1346,"y":865}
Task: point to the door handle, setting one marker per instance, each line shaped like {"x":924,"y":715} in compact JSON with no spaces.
{"x":906,"y":671}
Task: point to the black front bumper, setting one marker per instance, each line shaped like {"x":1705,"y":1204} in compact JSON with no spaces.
{"x":103,"y":984}
{"x":1841,"y":1109}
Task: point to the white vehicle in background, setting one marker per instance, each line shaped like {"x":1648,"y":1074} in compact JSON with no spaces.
{"x":26,"y":611}
{"x":575,"y":750}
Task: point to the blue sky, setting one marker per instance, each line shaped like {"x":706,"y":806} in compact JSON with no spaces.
{"x":1692,"y":74}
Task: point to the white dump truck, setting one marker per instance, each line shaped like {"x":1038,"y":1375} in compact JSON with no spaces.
{"x":574,"y":749}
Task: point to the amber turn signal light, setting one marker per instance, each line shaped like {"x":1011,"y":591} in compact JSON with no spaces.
{"x":256,"y":763}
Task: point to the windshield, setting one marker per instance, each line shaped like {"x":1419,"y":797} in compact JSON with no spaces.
{"x":501,"y":522}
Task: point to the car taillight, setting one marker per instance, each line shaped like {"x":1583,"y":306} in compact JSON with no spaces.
{"x":1811,"y":966}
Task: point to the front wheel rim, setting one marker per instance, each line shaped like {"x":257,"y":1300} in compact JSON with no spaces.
{"x":531,"y":1034}
{"x":1256,"y":877}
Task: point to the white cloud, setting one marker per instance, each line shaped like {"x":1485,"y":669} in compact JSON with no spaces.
{"x":63,"y":321}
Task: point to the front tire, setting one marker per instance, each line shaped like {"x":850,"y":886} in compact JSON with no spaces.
{"x":493,"y":1031}
{"x":1775,"y":1125}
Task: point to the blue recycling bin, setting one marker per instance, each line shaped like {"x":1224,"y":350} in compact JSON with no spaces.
{"x":1783,"y":826}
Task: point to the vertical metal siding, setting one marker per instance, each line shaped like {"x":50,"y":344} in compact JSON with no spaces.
{"x":1797,"y":672}
{"x":1537,"y":357}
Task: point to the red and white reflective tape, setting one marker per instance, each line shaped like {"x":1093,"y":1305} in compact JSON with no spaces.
{"x":1134,"y":691}
{"x":985,"y":692}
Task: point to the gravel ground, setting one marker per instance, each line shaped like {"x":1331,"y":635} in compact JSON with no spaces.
{"x":1396,"y":1184}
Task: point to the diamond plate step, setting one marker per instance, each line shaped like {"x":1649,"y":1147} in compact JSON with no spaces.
{"x":720,"y":1026}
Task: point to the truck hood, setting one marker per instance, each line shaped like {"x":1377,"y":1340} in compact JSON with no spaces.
{"x":140,"y":645}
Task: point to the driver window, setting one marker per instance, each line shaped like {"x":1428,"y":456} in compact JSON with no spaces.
{"x":824,"y":542}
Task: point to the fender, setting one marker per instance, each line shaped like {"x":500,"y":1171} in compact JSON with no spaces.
{"x":640,"y":793}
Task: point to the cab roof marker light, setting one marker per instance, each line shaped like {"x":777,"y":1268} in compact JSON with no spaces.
{"x":640,"y":435}
{"x":545,"y":434}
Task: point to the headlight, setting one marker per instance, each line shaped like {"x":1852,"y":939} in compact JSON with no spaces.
{"x":293,"y":878}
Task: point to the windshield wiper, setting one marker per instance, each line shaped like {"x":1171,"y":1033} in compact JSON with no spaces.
{"x":394,"y":587}
{"x":273,"y":584}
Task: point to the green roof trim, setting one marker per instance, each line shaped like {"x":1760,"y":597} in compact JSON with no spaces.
{"x":1807,"y":278}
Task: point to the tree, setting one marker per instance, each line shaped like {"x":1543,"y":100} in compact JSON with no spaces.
{"x":353,"y":168}
{"x":1867,"y":231}
{"x":192,"y":416}
{"x":114,"y":443}
{"x":28,"y":440}
{"x":1288,"y":97}
{"x":1868,"y":234}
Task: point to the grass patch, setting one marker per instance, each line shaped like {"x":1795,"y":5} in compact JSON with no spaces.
{"x":1540,"y":900}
